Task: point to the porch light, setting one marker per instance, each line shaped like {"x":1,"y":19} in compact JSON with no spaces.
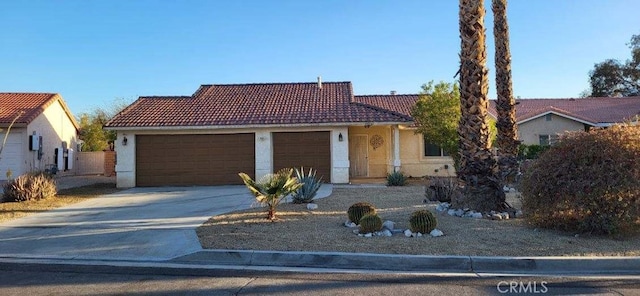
{"x":340,"y":137}
{"x":124,"y":141}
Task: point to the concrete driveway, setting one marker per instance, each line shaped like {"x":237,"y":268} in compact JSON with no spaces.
{"x":150,"y":224}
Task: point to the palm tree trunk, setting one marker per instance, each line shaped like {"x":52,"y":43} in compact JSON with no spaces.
{"x":478,"y":169}
{"x":505,"y":105}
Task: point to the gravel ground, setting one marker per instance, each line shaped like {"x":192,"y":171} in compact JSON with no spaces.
{"x":299,"y":229}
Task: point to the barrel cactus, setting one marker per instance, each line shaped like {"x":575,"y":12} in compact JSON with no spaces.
{"x":423,"y":221}
{"x":370,"y":223}
{"x":357,"y":210}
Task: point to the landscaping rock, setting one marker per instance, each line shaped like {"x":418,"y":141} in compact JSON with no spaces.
{"x":519,"y":214}
{"x":408,"y":233}
{"x":451,"y":212}
{"x":350,"y":224}
{"x":388,"y":225}
{"x":496,"y":217}
{"x":476,"y":215}
{"x":443,"y":207}
{"x":436,"y":233}
{"x":387,"y":232}
{"x":459,"y":212}
{"x":368,"y":234}
{"x":312,"y":206}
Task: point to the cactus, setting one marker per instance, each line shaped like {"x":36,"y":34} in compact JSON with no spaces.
{"x":357,"y":210}
{"x":370,"y":223}
{"x":423,"y":221}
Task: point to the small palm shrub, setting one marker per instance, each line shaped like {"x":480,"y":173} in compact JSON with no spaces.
{"x":272,"y":188}
{"x":370,"y":223}
{"x":422,"y":221}
{"x":309,"y":188}
{"x":587,"y":183}
{"x":31,"y":186}
{"x":358,"y":210}
{"x":440,"y":189}
{"x":396,"y":179}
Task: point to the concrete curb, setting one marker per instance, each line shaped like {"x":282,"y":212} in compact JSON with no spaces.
{"x":419,"y":263}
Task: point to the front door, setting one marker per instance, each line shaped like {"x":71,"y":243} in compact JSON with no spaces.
{"x":359,"y":166}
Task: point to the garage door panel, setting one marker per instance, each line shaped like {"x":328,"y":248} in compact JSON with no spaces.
{"x":175,"y":160}
{"x":308,"y":149}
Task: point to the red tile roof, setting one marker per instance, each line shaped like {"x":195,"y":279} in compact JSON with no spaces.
{"x":30,"y":104}
{"x":401,"y":104}
{"x":592,"y":110}
{"x":255,"y":104}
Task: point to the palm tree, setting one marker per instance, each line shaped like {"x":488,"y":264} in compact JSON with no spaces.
{"x":272,"y":188}
{"x":505,"y":105}
{"x":478,"y":169}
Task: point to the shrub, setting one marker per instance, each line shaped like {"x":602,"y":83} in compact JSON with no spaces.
{"x":310,"y":186}
{"x":531,"y":151}
{"x":440,"y":189}
{"x":396,"y":179}
{"x":422,"y":221}
{"x":587,"y":183}
{"x":370,"y":223}
{"x":31,"y":186}
{"x":358,"y":210}
{"x":272,"y":188}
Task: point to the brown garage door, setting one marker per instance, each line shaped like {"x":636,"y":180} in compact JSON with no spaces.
{"x":184,"y":160}
{"x":308,"y":149}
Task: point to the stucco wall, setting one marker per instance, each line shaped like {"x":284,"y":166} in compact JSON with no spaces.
{"x":415,"y":164}
{"x":55,"y":127}
{"x":530,"y":131}
{"x":125,"y":159}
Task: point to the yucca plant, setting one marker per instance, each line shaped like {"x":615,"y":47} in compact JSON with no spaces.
{"x":272,"y":188}
{"x":309,"y":188}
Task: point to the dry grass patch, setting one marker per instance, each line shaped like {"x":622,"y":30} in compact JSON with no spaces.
{"x":14,"y":210}
{"x":299,"y":229}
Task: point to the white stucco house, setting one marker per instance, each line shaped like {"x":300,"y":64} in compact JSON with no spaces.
{"x":44,"y":135}
{"x":209,"y":137}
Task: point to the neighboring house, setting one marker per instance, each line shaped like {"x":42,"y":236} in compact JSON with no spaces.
{"x":44,"y":135}
{"x":220,"y":130}
{"x":540,"y":121}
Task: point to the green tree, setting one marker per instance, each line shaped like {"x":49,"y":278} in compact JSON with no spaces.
{"x":95,"y":138}
{"x":437,"y":113}
{"x":615,"y":78}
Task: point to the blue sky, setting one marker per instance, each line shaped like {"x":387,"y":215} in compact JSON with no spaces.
{"x":94,"y":52}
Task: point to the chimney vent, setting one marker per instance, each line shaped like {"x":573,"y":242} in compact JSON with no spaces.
{"x":320,"y":82}
{"x":393,"y":92}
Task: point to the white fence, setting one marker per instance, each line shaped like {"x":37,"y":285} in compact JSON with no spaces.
{"x":89,"y":163}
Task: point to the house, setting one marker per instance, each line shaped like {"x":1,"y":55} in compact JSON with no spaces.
{"x":43,"y":136}
{"x":540,"y":121}
{"x":220,"y":130}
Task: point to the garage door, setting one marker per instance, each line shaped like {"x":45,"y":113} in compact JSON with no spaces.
{"x":308,"y":149}
{"x":185,"y":160}
{"x":12,"y":155}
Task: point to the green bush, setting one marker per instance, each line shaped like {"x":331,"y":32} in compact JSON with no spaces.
{"x":588,"y":183}
{"x":370,"y":223}
{"x":396,"y":179}
{"x":310,"y":186}
{"x":358,"y":210}
{"x":531,"y":151}
{"x":422,"y":221}
{"x":31,"y":186}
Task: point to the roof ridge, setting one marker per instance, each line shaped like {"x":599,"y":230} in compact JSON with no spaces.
{"x":273,"y":83}
{"x":387,"y":95}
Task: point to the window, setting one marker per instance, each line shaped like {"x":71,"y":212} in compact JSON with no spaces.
{"x":431,"y":149}
{"x":547,"y":140}
{"x":548,"y":117}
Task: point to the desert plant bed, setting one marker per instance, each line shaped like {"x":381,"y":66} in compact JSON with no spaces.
{"x":299,"y":229}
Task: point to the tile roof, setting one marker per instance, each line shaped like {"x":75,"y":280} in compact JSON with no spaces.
{"x":401,"y":104}
{"x":31,"y":104}
{"x":255,"y":104}
{"x":592,"y":110}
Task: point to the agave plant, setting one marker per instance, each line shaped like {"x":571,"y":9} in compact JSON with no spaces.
{"x":309,"y":188}
{"x":272,"y":188}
